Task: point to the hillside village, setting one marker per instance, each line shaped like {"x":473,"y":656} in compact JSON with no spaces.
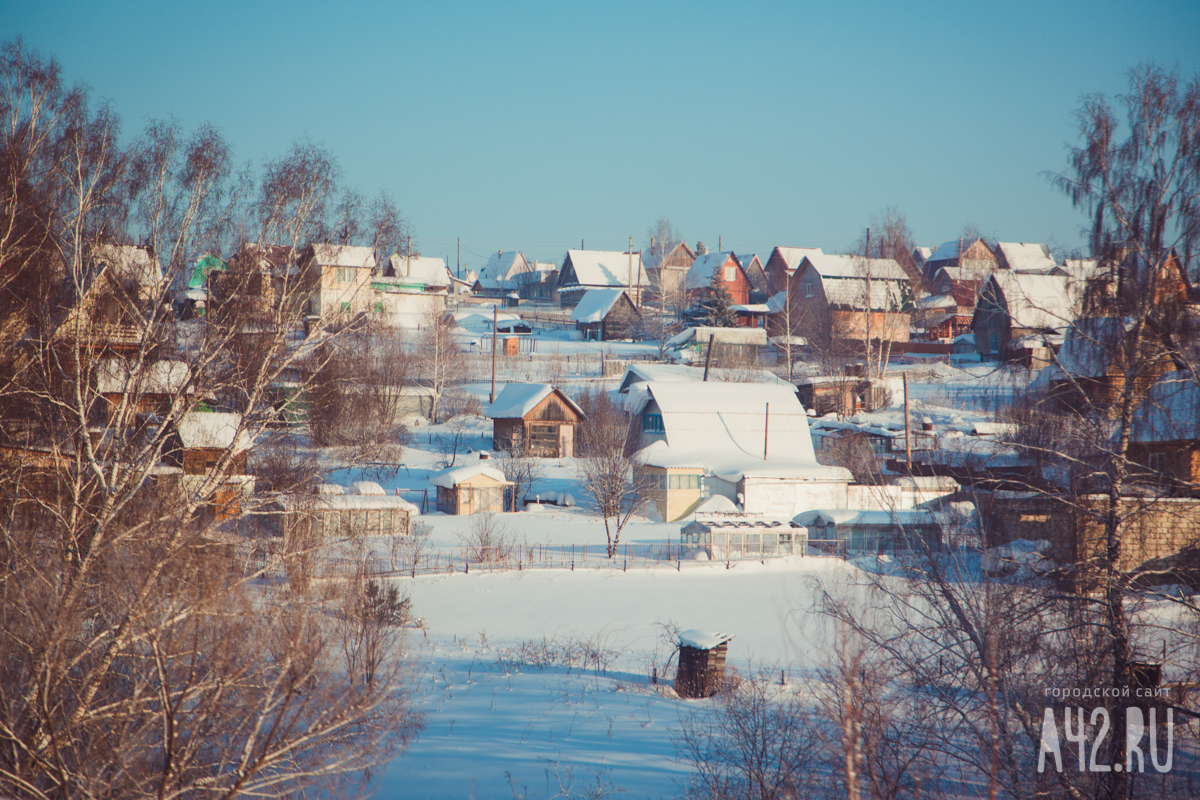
{"x":615,"y":413}
{"x":290,"y":508}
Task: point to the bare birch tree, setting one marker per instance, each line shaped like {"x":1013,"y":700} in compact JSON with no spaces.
{"x":439,"y":359}
{"x":136,"y":656}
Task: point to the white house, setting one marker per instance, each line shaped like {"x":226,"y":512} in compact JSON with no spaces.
{"x":340,"y":276}
{"x":600,"y":269}
{"x":746,"y":442}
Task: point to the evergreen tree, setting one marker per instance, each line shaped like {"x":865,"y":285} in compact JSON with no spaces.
{"x":715,"y":308}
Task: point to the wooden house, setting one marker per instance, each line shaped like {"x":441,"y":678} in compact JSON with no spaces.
{"x":973,"y":256}
{"x":667,"y":272}
{"x":536,"y":416}
{"x":718,"y":269}
{"x":477,"y":488}
{"x":829,"y":294}
{"x":605,"y":315}
{"x":1165,"y":439}
{"x":1013,"y":306}
{"x":600,"y":269}
{"x":782,"y":265}
{"x":340,"y":277}
{"x":149,"y":390}
{"x":197,"y":445}
{"x":701,"y":669}
{"x":844,"y":395}
{"x":753,"y":267}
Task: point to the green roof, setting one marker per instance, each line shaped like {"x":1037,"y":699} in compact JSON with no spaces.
{"x":207,"y":263}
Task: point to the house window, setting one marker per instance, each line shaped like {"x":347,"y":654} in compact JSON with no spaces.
{"x":684,"y":482}
{"x":346,"y":274}
{"x":652,"y":423}
{"x":808,"y":292}
{"x":730,"y":274}
{"x":543,"y":437}
{"x":994,"y":342}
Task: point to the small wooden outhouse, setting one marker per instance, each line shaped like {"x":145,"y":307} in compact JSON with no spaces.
{"x":701,"y":663}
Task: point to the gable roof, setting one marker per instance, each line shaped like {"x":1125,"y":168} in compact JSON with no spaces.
{"x":644,"y":373}
{"x":603,"y":268}
{"x":595,"y":305}
{"x":700,"y":274}
{"x":1170,"y":412}
{"x":505,"y":265}
{"x":114,"y":376}
{"x":1037,"y":302}
{"x":129,"y":262}
{"x":452,"y":477}
{"x":1022,"y":257}
{"x":951,"y":250}
{"x":419,"y":270}
{"x":342,"y":255}
{"x":792,"y":256}
{"x":212,"y":430}
{"x":830,"y":266}
{"x":518,"y":399}
{"x":723,"y":427}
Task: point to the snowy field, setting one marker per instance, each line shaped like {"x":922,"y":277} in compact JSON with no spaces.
{"x":498,"y":728}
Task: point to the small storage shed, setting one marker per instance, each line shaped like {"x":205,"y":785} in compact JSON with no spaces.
{"x":336,"y":512}
{"x":701,"y":663}
{"x":606,"y":314}
{"x":473,"y":489}
{"x":538,"y":415}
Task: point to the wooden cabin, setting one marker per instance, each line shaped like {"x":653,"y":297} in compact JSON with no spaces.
{"x":1165,"y":440}
{"x":604,"y":315}
{"x":537,"y":417}
{"x":701,"y":669}
{"x":477,"y":488}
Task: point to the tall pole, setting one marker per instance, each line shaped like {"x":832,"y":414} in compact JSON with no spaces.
{"x":458,"y":259}
{"x":907,"y":431}
{"x":708,"y":356}
{"x":408,"y":258}
{"x":492,"y":396}
{"x":766,"y":430}
{"x":867,"y":264}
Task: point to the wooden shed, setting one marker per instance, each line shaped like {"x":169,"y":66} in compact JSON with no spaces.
{"x":536,"y":416}
{"x":473,"y":489}
{"x":606,"y":314}
{"x":701,"y":663}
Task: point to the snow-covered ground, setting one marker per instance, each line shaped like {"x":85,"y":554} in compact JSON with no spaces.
{"x":496,"y":728}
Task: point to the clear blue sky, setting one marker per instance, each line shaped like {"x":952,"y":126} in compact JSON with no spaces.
{"x":530,"y":126}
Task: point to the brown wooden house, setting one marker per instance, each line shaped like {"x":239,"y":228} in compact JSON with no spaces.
{"x":1166,"y":435}
{"x":701,"y":669}
{"x":667,"y":273}
{"x":198,"y":443}
{"x":783,"y":263}
{"x":604,"y":315}
{"x":537,"y":417}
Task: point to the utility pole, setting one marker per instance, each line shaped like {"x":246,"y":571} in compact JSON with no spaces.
{"x":629,"y":274}
{"x":766,"y":430}
{"x":867,"y":265}
{"x":719,"y":248}
{"x":408,"y":258}
{"x":907,"y":431}
{"x":708,"y":356}
{"x":492,"y":396}
{"x":458,"y":259}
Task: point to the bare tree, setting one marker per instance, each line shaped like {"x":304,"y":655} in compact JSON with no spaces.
{"x":440,"y":361}
{"x":136,"y":656}
{"x":607,"y":472}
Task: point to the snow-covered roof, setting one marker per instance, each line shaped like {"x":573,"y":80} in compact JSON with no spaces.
{"x":327,"y":500}
{"x":854,"y":267}
{"x":777,"y":302}
{"x":505,"y":265}
{"x":950,"y":251}
{"x":922,"y":253}
{"x":605,"y":268}
{"x":937,"y":301}
{"x":518,"y":399}
{"x":644,"y":373}
{"x":496,"y":285}
{"x":1080,"y":269}
{"x":161,"y":377}
{"x":703,"y":640}
{"x":723,"y":426}
{"x":449,"y":478}
{"x":700,"y":274}
{"x":343,"y":255}
{"x":418,"y":270}
{"x":792,"y":256}
{"x":701,"y":333}
{"x":1034,"y":301}
{"x":752,"y":308}
{"x":857,"y":516}
{"x":1022,"y":257}
{"x":1170,"y":412}
{"x":130,"y":262}
{"x":212,"y":430}
{"x":1089,"y":347}
{"x":595,"y":305}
